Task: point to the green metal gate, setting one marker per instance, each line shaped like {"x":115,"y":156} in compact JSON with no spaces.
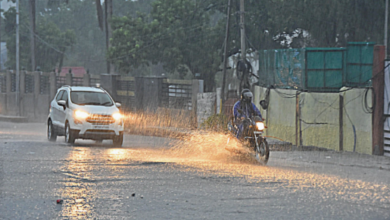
{"x":360,"y":56}
{"x":317,"y":69}
{"x":324,"y":69}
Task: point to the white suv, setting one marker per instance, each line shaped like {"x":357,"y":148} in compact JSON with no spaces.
{"x":84,"y":112}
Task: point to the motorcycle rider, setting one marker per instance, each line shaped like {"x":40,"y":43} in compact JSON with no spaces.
{"x":244,"y":108}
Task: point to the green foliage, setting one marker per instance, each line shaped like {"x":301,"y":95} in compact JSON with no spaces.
{"x":329,"y":23}
{"x":50,"y":45}
{"x":216,"y":123}
{"x":177,"y":33}
{"x":78,"y":16}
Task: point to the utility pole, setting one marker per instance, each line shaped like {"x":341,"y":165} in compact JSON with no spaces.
{"x":32,"y":33}
{"x":242,"y":27}
{"x":386,"y":20}
{"x":244,"y":84}
{"x":106,"y":30}
{"x":107,"y":16}
{"x":1,"y":17}
{"x":17,"y":57}
{"x":225,"y":53}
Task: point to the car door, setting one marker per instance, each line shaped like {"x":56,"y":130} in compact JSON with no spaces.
{"x":55,"y":109}
{"x":62,"y":110}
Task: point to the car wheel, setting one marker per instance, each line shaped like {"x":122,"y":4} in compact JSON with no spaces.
{"x":118,"y":141}
{"x":69,"y":134}
{"x":51,"y":133}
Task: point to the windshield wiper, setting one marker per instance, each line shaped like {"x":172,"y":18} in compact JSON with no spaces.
{"x":107,"y":103}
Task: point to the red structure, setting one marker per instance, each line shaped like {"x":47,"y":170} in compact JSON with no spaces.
{"x":77,"y":71}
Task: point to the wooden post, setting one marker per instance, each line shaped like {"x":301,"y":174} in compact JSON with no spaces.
{"x":296,"y":117}
{"x":341,"y":134}
{"x":300,"y":124}
{"x":378,"y":86}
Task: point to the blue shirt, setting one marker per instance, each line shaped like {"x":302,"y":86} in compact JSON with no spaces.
{"x":246,"y":110}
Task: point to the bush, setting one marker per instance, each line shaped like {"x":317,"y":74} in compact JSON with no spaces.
{"x":216,"y":123}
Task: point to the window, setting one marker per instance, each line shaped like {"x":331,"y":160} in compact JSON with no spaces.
{"x":59,"y":95}
{"x":65,"y":96}
{"x":90,"y":98}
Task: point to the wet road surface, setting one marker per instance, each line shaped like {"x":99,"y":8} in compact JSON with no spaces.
{"x":199,"y":179}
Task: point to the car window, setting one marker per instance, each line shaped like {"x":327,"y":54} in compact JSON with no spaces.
{"x":65,"y":96}
{"x":90,"y":98}
{"x":59,"y":95}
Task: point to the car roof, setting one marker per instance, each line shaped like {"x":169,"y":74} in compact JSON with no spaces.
{"x":84,"y":89}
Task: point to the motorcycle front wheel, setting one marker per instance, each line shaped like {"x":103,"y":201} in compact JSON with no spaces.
{"x":262,"y":151}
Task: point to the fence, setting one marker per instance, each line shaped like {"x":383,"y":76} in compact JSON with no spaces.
{"x":317,"y":69}
{"x":44,"y":85}
{"x":136,"y":94}
{"x":61,"y":81}
{"x":94,"y":80}
{"x":126,"y":92}
{"x":77,"y":81}
{"x":177,"y":94}
{"x":36,"y":91}
{"x":149,"y":93}
{"x":334,"y":121}
{"x":3,"y":83}
{"x":29,"y":83}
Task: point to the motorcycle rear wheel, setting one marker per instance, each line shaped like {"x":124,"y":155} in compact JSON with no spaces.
{"x":262,"y":151}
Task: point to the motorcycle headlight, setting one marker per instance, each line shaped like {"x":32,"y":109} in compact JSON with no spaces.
{"x":260,"y":125}
{"x":81,"y":114}
{"x":117,"y":116}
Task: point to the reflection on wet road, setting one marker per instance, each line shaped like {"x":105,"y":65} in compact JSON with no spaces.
{"x":152,"y":178}
{"x":78,"y":191}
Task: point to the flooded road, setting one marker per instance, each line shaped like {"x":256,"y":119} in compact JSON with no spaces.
{"x":157,"y":178}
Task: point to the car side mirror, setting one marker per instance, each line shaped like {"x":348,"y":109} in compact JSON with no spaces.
{"x":118,"y":105}
{"x":62,"y":103}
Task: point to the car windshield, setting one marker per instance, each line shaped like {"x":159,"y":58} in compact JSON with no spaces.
{"x":90,"y":98}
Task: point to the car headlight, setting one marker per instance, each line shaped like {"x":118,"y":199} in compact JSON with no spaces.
{"x":81,"y":114}
{"x":117,"y":116}
{"x":260,"y":125}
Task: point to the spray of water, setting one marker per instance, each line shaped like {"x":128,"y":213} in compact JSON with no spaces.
{"x":210,"y":146}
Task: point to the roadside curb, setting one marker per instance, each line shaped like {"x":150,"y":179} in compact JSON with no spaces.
{"x":286,"y":146}
{"x":15,"y":119}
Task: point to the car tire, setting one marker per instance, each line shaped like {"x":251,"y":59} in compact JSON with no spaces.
{"x":51,"y":133}
{"x":69,"y":134}
{"x":118,"y":141}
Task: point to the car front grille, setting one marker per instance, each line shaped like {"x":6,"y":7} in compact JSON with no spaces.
{"x":100,"y":119}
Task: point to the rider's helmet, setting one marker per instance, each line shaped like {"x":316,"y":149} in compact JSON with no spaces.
{"x":246,"y":96}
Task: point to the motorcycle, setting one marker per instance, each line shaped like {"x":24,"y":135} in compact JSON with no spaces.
{"x":252,"y":137}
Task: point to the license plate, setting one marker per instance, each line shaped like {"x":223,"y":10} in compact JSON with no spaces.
{"x":100,"y":126}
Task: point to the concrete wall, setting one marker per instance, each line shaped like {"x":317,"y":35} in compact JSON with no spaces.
{"x":280,"y":115}
{"x":3,"y":100}
{"x":319,"y":119}
{"x":35,"y":106}
{"x":355,"y":115}
{"x":206,"y":106}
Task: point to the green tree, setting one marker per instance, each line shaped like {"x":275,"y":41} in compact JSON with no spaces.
{"x":51,"y":44}
{"x":177,"y":33}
